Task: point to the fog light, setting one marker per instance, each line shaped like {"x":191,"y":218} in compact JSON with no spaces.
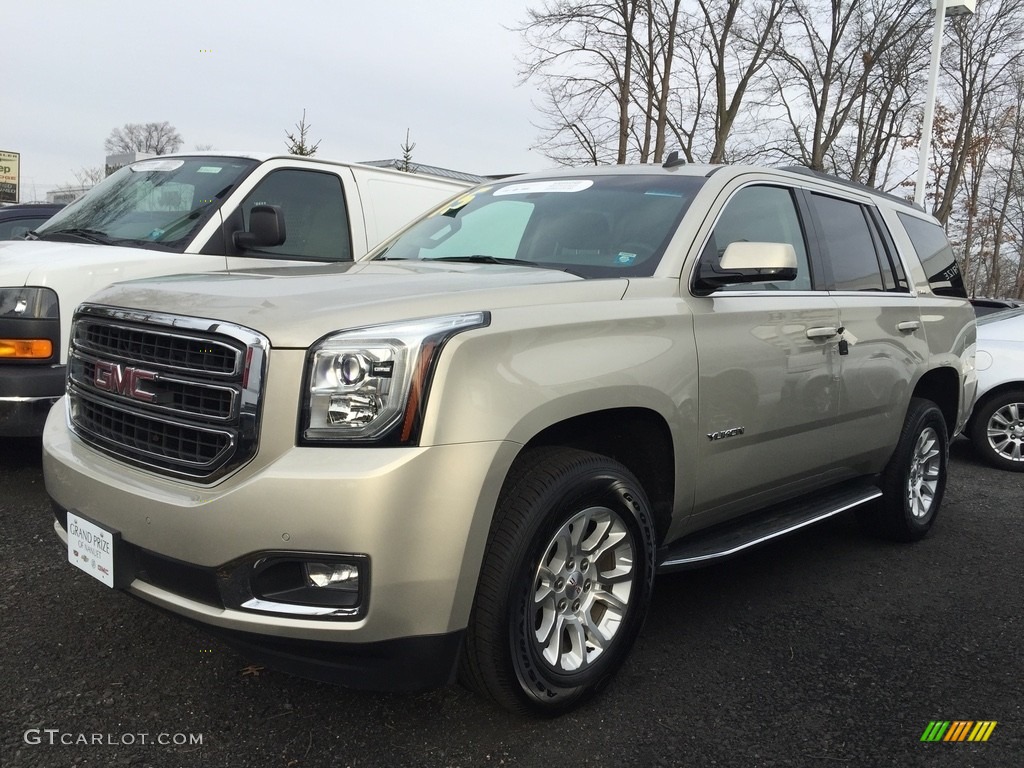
{"x":311,"y":584}
{"x":26,"y":349}
{"x":341,"y":576}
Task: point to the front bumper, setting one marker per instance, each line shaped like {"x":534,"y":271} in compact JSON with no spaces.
{"x":27,"y":392}
{"x":420,"y":515}
{"x":407,"y":664}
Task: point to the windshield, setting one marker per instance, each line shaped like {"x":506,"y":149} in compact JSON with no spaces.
{"x":598,"y":226}
{"x":159,"y":203}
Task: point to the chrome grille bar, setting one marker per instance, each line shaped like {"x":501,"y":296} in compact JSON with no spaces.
{"x":174,"y":395}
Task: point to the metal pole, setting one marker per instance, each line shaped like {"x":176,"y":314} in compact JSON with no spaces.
{"x":929,"y":102}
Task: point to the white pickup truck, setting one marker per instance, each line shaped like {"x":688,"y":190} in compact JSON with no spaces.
{"x":183,"y":213}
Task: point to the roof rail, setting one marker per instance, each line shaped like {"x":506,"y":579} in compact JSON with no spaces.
{"x":805,"y":171}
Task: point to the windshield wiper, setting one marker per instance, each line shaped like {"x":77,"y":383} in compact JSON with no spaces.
{"x":78,"y":233}
{"x":479,"y":259}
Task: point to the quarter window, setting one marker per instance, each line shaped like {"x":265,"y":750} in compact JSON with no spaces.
{"x":936,"y":256}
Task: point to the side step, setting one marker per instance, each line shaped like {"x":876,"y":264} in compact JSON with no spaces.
{"x":705,"y":547}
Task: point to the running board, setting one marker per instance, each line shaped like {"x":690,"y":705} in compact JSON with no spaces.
{"x":705,"y":547}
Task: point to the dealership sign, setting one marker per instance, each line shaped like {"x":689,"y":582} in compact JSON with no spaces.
{"x":9,"y":176}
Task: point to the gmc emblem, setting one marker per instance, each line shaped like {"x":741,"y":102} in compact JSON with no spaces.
{"x":123,"y":380}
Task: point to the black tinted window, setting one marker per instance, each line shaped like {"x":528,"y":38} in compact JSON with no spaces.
{"x":759,"y":214}
{"x":315,"y":219}
{"x":936,"y":255}
{"x":850,"y":246}
{"x":16,"y":228}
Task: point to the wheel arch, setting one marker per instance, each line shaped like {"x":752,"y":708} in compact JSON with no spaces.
{"x":997,"y":391}
{"x":638,"y":438}
{"x":942,"y":387}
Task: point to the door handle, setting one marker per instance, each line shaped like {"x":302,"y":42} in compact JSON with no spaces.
{"x":825,"y":332}
{"x":908,"y":325}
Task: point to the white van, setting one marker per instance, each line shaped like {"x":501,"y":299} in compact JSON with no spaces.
{"x":198,"y":212}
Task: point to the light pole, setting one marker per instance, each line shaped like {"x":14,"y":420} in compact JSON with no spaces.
{"x":943,"y":8}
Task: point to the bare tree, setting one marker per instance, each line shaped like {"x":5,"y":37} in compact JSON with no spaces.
{"x":979,"y":61}
{"x":298,"y":144}
{"x":89,"y":177}
{"x":741,"y":37}
{"x":654,"y":63}
{"x":85,"y":178}
{"x":882,"y":124}
{"x":158,"y":138}
{"x":988,"y":216}
{"x":584,"y":55}
{"x":831,"y":53}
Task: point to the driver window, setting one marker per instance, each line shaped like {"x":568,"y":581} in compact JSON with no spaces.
{"x":759,"y":214}
{"x":315,"y":218}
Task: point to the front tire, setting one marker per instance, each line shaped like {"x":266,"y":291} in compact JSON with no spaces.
{"x":914,"y":480}
{"x":565,"y":583}
{"x":997,"y":430}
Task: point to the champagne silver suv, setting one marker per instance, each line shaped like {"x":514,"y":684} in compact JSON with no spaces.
{"x":470,"y":452}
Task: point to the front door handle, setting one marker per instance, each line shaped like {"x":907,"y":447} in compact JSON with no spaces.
{"x":825,"y":332}
{"x":908,"y":325}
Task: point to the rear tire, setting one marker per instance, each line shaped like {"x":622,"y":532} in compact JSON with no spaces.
{"x":914,"y":480}
{"x":997,"y":430}
{"x":565,"y":583}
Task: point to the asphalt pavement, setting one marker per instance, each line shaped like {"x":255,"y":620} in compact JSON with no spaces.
{"x":825,"y":649}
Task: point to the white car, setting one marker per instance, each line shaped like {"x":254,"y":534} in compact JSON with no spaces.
{"x":997,"y":422}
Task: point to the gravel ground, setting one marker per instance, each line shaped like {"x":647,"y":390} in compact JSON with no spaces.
{"x":825,"y":649}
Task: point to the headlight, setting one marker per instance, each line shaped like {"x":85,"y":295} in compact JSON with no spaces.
{"x":365,"y":383}
{"x":28,"y":303}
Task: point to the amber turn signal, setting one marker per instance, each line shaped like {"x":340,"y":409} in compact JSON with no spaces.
{"x":25,"y":349}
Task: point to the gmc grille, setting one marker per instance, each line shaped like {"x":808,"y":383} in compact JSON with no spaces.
{"x":174,"y":395}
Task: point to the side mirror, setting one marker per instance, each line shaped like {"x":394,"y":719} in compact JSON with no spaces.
{"x":744,"y":262}
{"x":266,"y":228}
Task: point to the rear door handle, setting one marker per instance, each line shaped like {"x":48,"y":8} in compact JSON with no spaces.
{"x":825,"y":332}
{"x":908,"y":325}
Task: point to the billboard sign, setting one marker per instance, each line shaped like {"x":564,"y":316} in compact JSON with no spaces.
{"x":10,"y":176}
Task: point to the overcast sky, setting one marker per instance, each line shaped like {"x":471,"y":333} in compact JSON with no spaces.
{"x":238,"y":73}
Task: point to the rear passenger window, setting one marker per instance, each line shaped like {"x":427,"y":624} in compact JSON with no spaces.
{"x":759,"y":214}
{"x":936,"y":255}
{"x":850,"y":245}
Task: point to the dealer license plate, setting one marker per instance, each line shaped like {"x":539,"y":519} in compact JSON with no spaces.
{"x":91,"y":547}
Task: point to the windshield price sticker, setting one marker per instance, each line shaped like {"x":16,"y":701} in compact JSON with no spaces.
{"x":156,"y":165}
{"x":91,"y":548}
{"x":568,"y":185}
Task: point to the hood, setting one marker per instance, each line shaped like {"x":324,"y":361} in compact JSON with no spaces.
{"x":36,"y":262}
{"x":294,"y":307}
{"x":1003,"y":326}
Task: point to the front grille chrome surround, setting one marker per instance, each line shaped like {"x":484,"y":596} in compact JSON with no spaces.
{"x":178,"y":396}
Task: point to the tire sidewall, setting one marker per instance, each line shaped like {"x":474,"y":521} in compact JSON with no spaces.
{"x":602,"y":486}
{"x":979,"y":430}
{"x":927,"y":416}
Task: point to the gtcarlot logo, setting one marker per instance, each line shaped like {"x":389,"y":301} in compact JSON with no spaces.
{"x":57,"y":737}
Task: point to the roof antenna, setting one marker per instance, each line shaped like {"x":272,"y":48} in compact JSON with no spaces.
{"x":673,"y":160}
